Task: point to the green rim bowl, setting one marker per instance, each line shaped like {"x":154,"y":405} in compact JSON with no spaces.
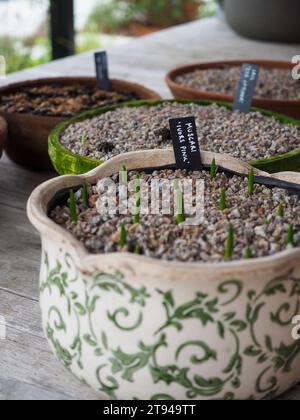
{"x":68,"y":163}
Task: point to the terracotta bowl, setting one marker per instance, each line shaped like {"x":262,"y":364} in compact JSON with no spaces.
{"x":290,"y":108}
{"x":133,"y":327}
{"x":3,"y":134}
{"x":28,"y":134}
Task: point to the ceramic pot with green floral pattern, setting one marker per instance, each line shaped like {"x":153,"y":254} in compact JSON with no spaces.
{"x":134,"y":327}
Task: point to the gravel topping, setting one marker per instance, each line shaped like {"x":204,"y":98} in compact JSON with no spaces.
{"x":255,"y":219}
{"x":59,"y":101}
{"x":249,"y":136}
{"x":272,"y":83}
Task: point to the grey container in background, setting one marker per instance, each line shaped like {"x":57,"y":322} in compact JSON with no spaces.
{"x":267,"y":20}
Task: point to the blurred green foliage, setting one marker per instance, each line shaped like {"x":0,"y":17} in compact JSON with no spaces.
{"x":19,"y":56}
{"x":166,"y":12}
{"x":107,"y":16}
{"x":208,"y":9}
{"x":113,"y":15}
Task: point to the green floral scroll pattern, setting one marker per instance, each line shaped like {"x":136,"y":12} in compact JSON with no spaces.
{"x":116,"y":366}
{"x":279,"y":359}
{"x":82,"y":308}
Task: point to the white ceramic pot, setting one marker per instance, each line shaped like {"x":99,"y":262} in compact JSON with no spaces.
{"x":133,"y":327}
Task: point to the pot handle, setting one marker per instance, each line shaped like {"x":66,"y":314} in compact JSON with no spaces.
{"x":293,"y":177}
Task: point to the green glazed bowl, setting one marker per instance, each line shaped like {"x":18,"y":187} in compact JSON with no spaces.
{"x":66,"y":162}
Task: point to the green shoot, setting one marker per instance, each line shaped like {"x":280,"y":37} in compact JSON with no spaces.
{"x":213,"y":169}
{"x":137,"y":200}
{"x":83,"y":139}
{"x":73,"y":208}
{"x":123,"y":175}
{"x":251,"y":181}
{"x":222,"y":205}
{"x":229,"y":242}
{"x":290,"y":235}
{"x":85,"y":195}
{"x":176,"y":184}
{"x":280,"y":211}
{"x":248,"y":253}
{"x":137,"y":250}
{"x":123,"y":236}
{"x":180,"y":216}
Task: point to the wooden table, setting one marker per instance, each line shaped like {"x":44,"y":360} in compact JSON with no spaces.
{"x":28,"y":370}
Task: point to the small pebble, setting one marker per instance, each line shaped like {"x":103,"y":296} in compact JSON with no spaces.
{"x":60,"y":101}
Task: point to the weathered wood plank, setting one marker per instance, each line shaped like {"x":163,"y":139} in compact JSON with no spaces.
{"x":27,"y":366}
{"x":19,"y":242}
{"x":17,"y":184}
{"x":21,"y":314}
{"x":34,"y":373}
{"x":20,"y":253}
{"x":16,"y":390}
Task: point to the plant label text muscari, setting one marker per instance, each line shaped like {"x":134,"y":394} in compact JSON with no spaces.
{"x":246,"y":88}
{"x":102,"y":75}
{"x":186,"y":144}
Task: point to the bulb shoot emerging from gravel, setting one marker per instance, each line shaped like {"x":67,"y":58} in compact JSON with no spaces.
{"x":73,"y":207}
{"x":123,"y":236}
{"x":137,"y":200}
{"x":180,"y":216}
{"x":123,"y":175}
{"x":137,"y":249}
{"x":229,"y":242}
{"x":280,"y":211}
{"x":251,"y":181}
{"x":290,"y":236}
{"x":83,"y":139}
{"x":223,"y":199}
{"x":213,"y":168}
{"x":248,"y":253}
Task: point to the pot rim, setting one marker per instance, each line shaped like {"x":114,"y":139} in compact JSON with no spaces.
{"x":40,"y":199}
{"x":260,"y":102}
{"x":65,"y":81}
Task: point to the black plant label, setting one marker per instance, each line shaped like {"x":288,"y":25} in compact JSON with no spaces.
{"x":102,"y":75}
{"x":246,"y":88}
{"x":186,"y":143}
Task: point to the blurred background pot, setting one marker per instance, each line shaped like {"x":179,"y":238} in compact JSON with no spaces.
{"x":268,"y":20}
{"x":290,"y":108}
{"x":27,"y":143}
{"x":165,"y":12}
